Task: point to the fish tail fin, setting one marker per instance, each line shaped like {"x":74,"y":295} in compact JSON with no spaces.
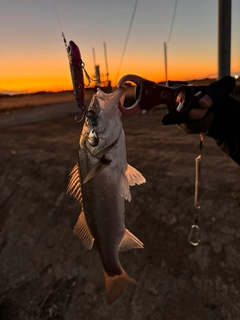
{"x":115,"y":285}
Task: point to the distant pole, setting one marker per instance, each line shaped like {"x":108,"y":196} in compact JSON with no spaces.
{"x":96,"y":68}
{"x":224,"y":37}
{"x":97,"y":75}
{"x":94,"y":57}
{"x":106,"y":61}
{"x":165,"y":61}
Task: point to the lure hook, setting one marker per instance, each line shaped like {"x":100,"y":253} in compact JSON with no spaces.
{"x":76,"y":119}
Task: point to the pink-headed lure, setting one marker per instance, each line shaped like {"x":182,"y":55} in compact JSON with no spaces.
{"x":76,"y":68}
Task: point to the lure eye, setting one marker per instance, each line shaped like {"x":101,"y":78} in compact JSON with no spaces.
{"x":93,"y":138}
{"x":68,"y":49}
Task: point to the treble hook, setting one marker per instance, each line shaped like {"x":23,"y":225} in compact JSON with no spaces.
{"x":87,"y":75}
{"x":77,"y":120}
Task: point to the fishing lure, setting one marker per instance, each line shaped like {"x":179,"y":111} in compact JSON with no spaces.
{"x":76,"y":68}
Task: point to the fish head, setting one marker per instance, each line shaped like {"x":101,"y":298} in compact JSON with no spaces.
{"x":103,"y":125}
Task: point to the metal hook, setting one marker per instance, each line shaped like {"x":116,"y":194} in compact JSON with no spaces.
{"x":77,"y":120}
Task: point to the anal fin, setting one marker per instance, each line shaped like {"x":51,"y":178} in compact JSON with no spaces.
{"x":82,"y":231}
{"x":129,"y":241}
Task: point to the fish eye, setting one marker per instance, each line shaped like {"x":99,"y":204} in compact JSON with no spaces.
{"x":93,"y":138}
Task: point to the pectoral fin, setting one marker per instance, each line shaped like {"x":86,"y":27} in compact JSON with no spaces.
{"x":82,"y":231}
{"x":129,"y":178}
{"x":129,"y":241}
{"x":97,"y":168}
{"x":124,"y":188}
{"x":134,"y":176}
{"x":74,"y":186}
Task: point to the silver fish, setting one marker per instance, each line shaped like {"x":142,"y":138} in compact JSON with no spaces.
{"x":101,"y":182}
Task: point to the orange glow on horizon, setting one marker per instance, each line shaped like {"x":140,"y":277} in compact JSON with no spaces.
{"x":29,"y":85}
{"x":181,"y":69}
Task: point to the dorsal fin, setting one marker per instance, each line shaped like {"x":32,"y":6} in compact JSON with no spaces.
{"x":130,"y":241}
{"x":82,"y":231}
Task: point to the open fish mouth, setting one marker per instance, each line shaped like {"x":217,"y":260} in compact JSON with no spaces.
{"x":92,"y":117}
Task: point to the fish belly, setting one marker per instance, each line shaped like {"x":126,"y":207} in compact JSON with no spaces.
{"x":104,"y":212}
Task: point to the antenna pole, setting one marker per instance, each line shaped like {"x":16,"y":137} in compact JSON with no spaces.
{"x":224,"y":37}
{"x":106,"y":61}
{"x":94,"y":57}
{"x":165,"y":61}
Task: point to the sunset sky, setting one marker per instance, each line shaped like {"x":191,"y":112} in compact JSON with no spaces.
{"x":33,"y":57}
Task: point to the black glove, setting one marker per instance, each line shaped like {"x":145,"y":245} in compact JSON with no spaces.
{"x":215,"y":121}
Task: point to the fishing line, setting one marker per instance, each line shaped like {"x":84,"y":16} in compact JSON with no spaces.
{"x":64,"y":39}
{"x":57,"y":15}
{"x":173,"y":20}
{"x":75,"y":70}
{"x":127,"y":38}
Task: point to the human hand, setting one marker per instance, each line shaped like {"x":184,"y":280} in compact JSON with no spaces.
{"x":204,"y":104}
{"x":200,"y":119}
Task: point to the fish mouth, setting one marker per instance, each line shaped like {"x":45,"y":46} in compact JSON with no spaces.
{"x":92,"y":117}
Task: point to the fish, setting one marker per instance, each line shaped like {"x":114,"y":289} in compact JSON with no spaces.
{"x":100,"y":182}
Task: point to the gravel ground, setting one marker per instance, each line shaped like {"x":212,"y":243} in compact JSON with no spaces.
{"x":45,"y":272}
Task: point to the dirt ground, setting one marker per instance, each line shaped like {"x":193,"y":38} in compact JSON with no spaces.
{"x":45,"y":272}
